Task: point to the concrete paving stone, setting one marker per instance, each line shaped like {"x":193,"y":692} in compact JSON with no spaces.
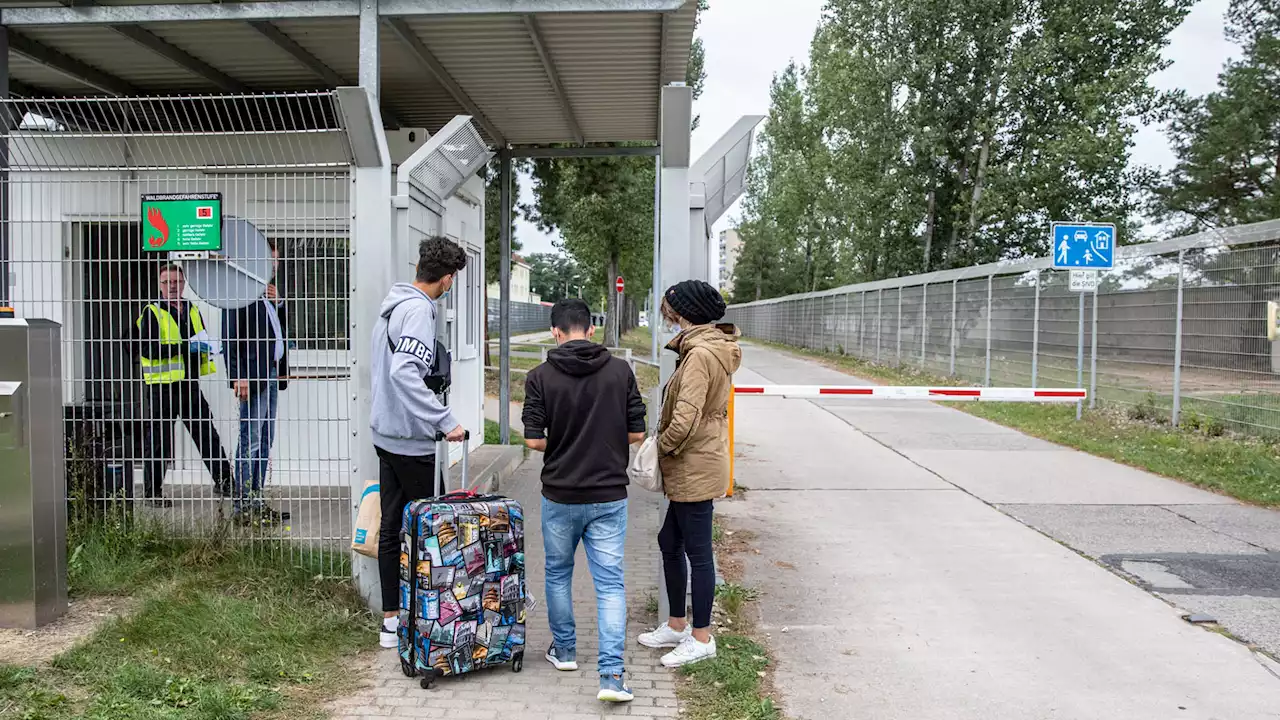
{"x":932,"y":604}
{"x":1098,"y":530}
{"x":781,"y":368}
{"x":1253,"y":619}
{"x":1259,"y":526}
{"x":1065,"y":477}
{"x":1155,"y":575}
{"x":924,"y":440}
{"x":539,"y":691}
{"x":908,"y":417}
{"x":774,"y":428}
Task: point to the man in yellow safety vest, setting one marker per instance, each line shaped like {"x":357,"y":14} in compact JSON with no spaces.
{"x":174,"y":352}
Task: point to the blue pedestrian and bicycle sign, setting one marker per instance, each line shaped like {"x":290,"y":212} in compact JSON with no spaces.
{"x":1083,"y":246}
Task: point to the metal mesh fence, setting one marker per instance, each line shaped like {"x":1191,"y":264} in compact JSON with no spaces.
{"x":249,"y":434}
{"x":1180,"y":327}
{"x":526,"y":318}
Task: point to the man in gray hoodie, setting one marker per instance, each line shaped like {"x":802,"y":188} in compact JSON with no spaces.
{"x":407,"y":413}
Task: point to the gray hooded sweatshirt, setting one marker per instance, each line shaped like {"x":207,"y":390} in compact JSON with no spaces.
{"x":406,"y":414}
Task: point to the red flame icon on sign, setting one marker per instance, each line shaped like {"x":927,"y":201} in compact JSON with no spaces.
{"x":155,"y":219}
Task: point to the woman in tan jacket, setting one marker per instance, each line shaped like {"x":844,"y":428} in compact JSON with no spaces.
{"x":693,"y":445}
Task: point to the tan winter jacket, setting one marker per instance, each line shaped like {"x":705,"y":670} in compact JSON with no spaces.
{"x":693,"y":434}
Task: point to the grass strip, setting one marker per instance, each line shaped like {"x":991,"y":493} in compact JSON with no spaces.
{"x":735,"y":684}
{"x":222,"y":631}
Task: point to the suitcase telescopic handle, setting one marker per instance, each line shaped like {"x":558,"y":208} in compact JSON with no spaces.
{"x":466,"y":435}
{"x":442,"y":462}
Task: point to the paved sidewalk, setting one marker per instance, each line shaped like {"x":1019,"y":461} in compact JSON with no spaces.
{"x":491,"y":407}
{"x":897,"y":579}
{"x":540,"y":692}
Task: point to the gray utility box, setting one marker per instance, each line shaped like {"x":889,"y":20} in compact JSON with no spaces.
{"x":33,"y":497}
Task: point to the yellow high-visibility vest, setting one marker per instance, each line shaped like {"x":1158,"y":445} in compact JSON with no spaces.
{"x":172,"y":369}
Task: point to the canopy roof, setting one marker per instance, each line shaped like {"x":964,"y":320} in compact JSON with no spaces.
{"x":530,"y":72}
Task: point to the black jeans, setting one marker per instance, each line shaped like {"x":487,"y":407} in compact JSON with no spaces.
{"x":401,"y":479}
{"x":687,"y":531}
{"x":183,"y":400}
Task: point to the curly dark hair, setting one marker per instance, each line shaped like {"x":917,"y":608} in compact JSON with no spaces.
{"x":438,"y":257}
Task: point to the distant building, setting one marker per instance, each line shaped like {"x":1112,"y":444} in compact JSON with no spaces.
{"x":520,"y":283}
{"x":730,"y":246}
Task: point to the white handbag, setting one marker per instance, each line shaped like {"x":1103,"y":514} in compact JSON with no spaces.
{"x":643,"y":468}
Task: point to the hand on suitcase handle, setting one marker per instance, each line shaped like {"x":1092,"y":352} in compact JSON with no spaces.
{"x":466,"y":435}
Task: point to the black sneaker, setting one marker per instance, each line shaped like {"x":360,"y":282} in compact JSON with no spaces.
{"x":222,"y":489}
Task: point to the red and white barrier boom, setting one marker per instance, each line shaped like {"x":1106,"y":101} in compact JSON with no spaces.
{"x":913,"y":392}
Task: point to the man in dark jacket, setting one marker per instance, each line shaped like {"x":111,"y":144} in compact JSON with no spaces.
{"x":582,"y":409}
{"x":257,"y":352}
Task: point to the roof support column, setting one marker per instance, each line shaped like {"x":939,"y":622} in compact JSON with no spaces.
{"x":504,"y":296}
{"x":673,"y":246}
{"x":371,"y":269}
{"x":652,"y":315}
{"x":7,"y":123}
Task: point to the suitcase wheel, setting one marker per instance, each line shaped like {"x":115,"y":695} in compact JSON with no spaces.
{"x":517,"y":663}
{"x":407,"y":669}
{"x":427,"y":679}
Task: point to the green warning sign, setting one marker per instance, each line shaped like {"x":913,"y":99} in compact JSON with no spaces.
{"x":182,"y":222}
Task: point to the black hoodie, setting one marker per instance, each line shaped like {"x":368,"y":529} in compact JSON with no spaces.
{"x":584,"y":402}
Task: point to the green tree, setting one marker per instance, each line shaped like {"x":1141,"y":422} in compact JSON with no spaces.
{"x":493,"y":217}
{"x":554,"y":276}
{"x":603,"y":209}
{"x":1227,"y":145}
{"x":927,"y":134}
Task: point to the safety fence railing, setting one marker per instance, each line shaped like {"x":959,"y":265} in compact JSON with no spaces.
{"x":156,"y":427}
{"x":1177,"y":331}
{"x":526,"y":318}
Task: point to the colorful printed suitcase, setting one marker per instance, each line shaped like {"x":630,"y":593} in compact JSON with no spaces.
{"x":462,"y":582}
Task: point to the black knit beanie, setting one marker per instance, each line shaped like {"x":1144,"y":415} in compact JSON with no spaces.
{"x":696,"y":301}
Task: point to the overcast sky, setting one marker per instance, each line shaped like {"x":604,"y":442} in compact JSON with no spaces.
{"x":747,"y":41}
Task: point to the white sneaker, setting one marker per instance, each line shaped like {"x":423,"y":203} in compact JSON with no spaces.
{"x":664,"y":637}
{"x":689,"y":651}
{"x":389,"y":637}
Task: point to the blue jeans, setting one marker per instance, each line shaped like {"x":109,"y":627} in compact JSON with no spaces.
{"x":602,"y":528}
{"x":257,"y":431}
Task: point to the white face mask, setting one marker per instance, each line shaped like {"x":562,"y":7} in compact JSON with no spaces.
{"x":673,"y":328}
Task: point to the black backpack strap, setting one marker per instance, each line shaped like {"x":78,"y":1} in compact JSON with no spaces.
{"x":438,"y":384}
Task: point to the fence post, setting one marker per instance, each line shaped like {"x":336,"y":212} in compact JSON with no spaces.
{"x":1093,"y":355}
{"x":1035,"y":336}
{"x":1177,"y":346}
{"x":986,"y":380}
{"x":815,"y":323}
{"x":879,"y":319}
{"x":862,"y":328}
{"x":1080,"y":353}
{"x":844,"y":348}
{"x":954,"y":284}
{"x":898,"y":335}
{"x":924,"y":321}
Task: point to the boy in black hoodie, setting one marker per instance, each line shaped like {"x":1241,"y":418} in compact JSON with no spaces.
{"x":582,"y":408}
